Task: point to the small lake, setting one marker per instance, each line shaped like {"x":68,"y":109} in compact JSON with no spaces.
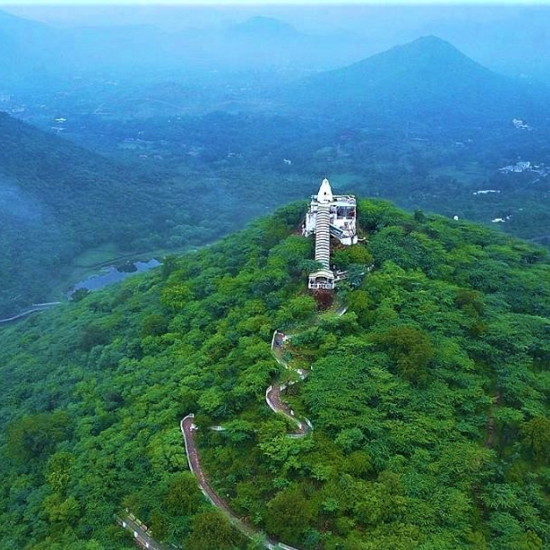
{"x":113,"y":274}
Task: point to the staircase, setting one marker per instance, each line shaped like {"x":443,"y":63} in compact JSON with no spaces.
{"x":322,"y":236}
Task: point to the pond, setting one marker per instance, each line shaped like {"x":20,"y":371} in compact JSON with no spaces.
{"x":113,"y":274}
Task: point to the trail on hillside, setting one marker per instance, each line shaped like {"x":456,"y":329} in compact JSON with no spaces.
{"x":277,"y":405}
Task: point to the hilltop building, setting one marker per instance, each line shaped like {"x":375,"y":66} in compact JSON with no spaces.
{"x":329,"y":216}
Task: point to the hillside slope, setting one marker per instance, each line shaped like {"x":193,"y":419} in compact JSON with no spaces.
{"x":56,"y":200}
{"x":429,"y":397}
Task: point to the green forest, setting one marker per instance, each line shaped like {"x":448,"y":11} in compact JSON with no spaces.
{"x":429,"y":397}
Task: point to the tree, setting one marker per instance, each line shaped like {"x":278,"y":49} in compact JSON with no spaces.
{"x":410,"y":348}
{"x":183,"y":497}
{"x":35,"y":436}
{"x":289,"y":514}
{"x":212,"y":531}
{"x":536,"y":435}
{"x":153,"y":325}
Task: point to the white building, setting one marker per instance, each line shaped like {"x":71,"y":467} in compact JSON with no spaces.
{"x":329,"y":215}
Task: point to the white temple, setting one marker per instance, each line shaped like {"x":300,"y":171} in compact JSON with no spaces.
{"x":329,"y":215}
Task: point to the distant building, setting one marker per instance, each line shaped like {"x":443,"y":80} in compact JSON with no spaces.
{"x":520,"y":124}
{"x":523,"y":166}
{"x":329,"y":216}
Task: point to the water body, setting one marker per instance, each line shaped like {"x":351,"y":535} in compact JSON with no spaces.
{"x":113,"y":274}
{"x":108,"y":276}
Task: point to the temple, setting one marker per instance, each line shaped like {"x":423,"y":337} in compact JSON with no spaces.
{"x":329,"y":216}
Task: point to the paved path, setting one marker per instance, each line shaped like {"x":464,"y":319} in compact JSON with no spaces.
{"x":187,"y":430}
{"x":273,"y":393}
{"x":275,"y":403}
{"x":33,"y":309}
{"x":141,"y":536}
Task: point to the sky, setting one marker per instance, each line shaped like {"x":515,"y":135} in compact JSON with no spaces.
{"x":267,"y":2}
{"x":306,"y":15}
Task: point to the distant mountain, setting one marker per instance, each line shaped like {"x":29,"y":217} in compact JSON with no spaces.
{"x":516,"y":43}
{"x":425,"y":79}
{"x":26,"y":48}
{"x":33,"y":54}
{"x":264,"y":28}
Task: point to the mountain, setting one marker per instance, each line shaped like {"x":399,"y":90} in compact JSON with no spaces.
{"x":517,"y":43}
{"x":34,"y":54}
{"x":425,"y":79}
{"x":428,"y":396}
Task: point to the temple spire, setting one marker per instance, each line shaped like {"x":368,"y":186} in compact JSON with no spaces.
{"x":325,"y":192}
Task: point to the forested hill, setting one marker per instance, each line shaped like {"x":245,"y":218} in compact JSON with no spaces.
{"x":56,"y":200}
{"x":62,"y":206}
{"x":429,"y":397}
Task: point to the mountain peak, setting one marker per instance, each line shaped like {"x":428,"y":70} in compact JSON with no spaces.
{"x":427,"y":79}
{"x":430,"y":47}
{"x":426,"y":57}
{"x":431,"y":40}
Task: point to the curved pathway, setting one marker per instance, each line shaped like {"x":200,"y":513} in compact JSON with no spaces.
{"x":187,"y":430}
{"x":276,"y":404}
{"x":34,"y":309}
{"x":273,"y":393}
{"x":273,"y":399}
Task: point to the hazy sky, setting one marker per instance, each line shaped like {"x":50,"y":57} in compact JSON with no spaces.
{"x":264,"y":2}
{"x":356,"y":16}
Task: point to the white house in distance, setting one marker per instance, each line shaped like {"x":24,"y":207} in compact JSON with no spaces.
{"x":329,"y":215}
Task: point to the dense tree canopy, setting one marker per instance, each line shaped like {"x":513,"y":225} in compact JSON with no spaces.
{"x":429,"y":397}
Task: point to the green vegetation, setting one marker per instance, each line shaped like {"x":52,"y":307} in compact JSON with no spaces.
{"x":63,"y":208}
{"x":429,"y":397}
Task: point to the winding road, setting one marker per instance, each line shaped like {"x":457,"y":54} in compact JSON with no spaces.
{"x":188,"y":428}
{"x":276,"y":404}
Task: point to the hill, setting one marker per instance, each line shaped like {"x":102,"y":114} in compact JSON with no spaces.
{"x":428,"y":397}
{"x":30,"y":51}
{"x":425,"y":80}
{"x":57,"y":200}
{"x":64,"y":208}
